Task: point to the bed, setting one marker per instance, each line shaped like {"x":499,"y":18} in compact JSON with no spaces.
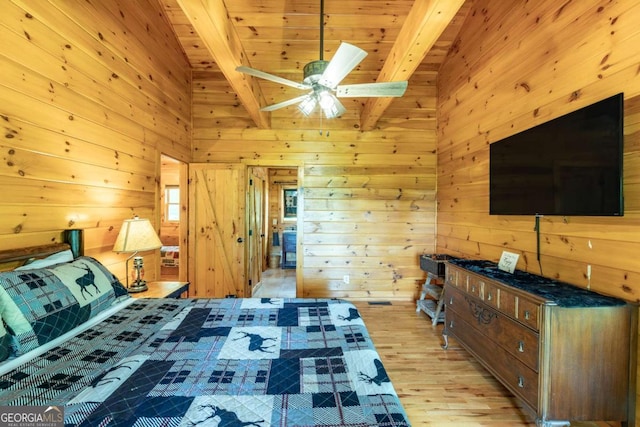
{"x":169,"y":256}
{"x":73,"y":338}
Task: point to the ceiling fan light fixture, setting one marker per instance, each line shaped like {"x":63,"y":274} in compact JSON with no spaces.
{"x":326,"y":100}
{"x":308,"y":105}
{"x":322,"y":81}
{"x":330,"y":105}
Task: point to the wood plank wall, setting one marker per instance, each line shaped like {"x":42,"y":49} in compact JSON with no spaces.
{"x":92,"y":92}
{"x":368,"y":197}
{"x":536,"y":61}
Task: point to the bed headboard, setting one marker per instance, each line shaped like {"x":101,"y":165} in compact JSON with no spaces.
{"x":12,"y":258}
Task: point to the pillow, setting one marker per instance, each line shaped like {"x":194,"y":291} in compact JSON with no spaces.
{"x":42,"y":304}
{"x":90,"y":282}
{"x":57,"y":258}
{"x":5,"y":341}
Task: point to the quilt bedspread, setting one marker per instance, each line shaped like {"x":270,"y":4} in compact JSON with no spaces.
{"x":218,"y":362}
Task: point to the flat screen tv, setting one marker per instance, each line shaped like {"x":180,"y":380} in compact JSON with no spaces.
{"x":571,"y":165}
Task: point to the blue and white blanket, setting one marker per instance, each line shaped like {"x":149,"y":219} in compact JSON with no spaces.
{"x":217,"y":362}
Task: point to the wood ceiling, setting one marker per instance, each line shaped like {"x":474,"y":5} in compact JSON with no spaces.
{"x":281,"y":36}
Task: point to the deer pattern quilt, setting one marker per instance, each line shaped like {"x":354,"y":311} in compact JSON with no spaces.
{"x":216,"y":362}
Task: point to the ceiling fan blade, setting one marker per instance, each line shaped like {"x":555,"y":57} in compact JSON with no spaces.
{"x":283,"y":104}
{"x":271,"y":77}
{"x":384,"y":89}
{"x":345,"y":59}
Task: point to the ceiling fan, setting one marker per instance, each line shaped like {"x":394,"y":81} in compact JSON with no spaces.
{"x":321,"y":81}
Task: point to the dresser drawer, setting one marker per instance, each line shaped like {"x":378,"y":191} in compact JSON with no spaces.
{"x":521,"y":342}
{"x":508,"y":303}
{"x":455,"y":277}
{"x":522,"y":309}
{"x":491,"y":295}
{"x":528,"y":313}
{"x":475,"y":285}
{"x":521,"y":380}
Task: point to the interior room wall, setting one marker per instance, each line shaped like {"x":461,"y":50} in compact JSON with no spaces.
{"x":368,"y":197}
{"x":92,"y":93}
{"x":515,"y":66}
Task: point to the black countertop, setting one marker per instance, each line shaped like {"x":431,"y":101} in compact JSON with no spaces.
{"x":560,"y":293}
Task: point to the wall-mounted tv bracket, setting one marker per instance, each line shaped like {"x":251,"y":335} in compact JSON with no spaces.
{"x":536,"y":228}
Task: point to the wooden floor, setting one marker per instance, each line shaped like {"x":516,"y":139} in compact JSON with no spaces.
{"x":437,"y":387}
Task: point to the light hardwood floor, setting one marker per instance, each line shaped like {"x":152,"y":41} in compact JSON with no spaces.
{"x":437,"y":387}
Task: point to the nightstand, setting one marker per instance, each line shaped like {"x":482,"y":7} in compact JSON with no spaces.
{"x":163,"y":289}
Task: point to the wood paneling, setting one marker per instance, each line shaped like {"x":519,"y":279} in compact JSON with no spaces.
{"x":368,"y":197}
{"x":92,"y":93}
{"x":536,"y":61}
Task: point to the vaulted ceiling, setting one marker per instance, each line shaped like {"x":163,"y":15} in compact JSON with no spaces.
{"x":281,"y":36}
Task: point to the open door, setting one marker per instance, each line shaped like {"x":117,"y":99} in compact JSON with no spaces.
{"x":256,"y":243}
{"x":217,"y":199}
{"x":173,"y":219}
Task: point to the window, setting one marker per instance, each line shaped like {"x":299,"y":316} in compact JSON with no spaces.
{"x":172,"y":203}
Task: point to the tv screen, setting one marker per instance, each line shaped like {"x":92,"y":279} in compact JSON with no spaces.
{"x":571,"y":165}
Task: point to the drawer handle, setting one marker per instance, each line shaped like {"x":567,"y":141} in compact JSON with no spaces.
{"x":451,"y":301}
{"x":489,"y":296}
{"x":451,"y":324}
{"x":473,"y":289}
{"x":527,"y":315}
{"x":521,"y":346}
{"x":520,"y":382}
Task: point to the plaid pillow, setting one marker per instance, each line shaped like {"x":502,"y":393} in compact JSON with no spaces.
{"x":42,"y":304}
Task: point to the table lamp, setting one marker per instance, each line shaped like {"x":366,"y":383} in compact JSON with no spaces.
{"x":136,"y":235}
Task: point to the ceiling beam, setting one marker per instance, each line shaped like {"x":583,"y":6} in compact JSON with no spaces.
{"x":422,"y":28}
{"x":210,"y":20}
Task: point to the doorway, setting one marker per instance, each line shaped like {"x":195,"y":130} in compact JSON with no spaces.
{"x":280,"y":261}
{"x":173,"y":221}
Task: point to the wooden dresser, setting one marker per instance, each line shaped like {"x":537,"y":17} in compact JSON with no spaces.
{"x":567,"y":353}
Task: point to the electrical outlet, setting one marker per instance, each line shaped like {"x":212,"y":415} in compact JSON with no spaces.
{"x":345,"y":279}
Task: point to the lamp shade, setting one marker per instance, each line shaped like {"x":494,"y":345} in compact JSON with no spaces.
{"x":136,"y":235}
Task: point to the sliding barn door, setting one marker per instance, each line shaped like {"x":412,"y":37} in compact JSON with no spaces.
{"x":217,"y":219}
